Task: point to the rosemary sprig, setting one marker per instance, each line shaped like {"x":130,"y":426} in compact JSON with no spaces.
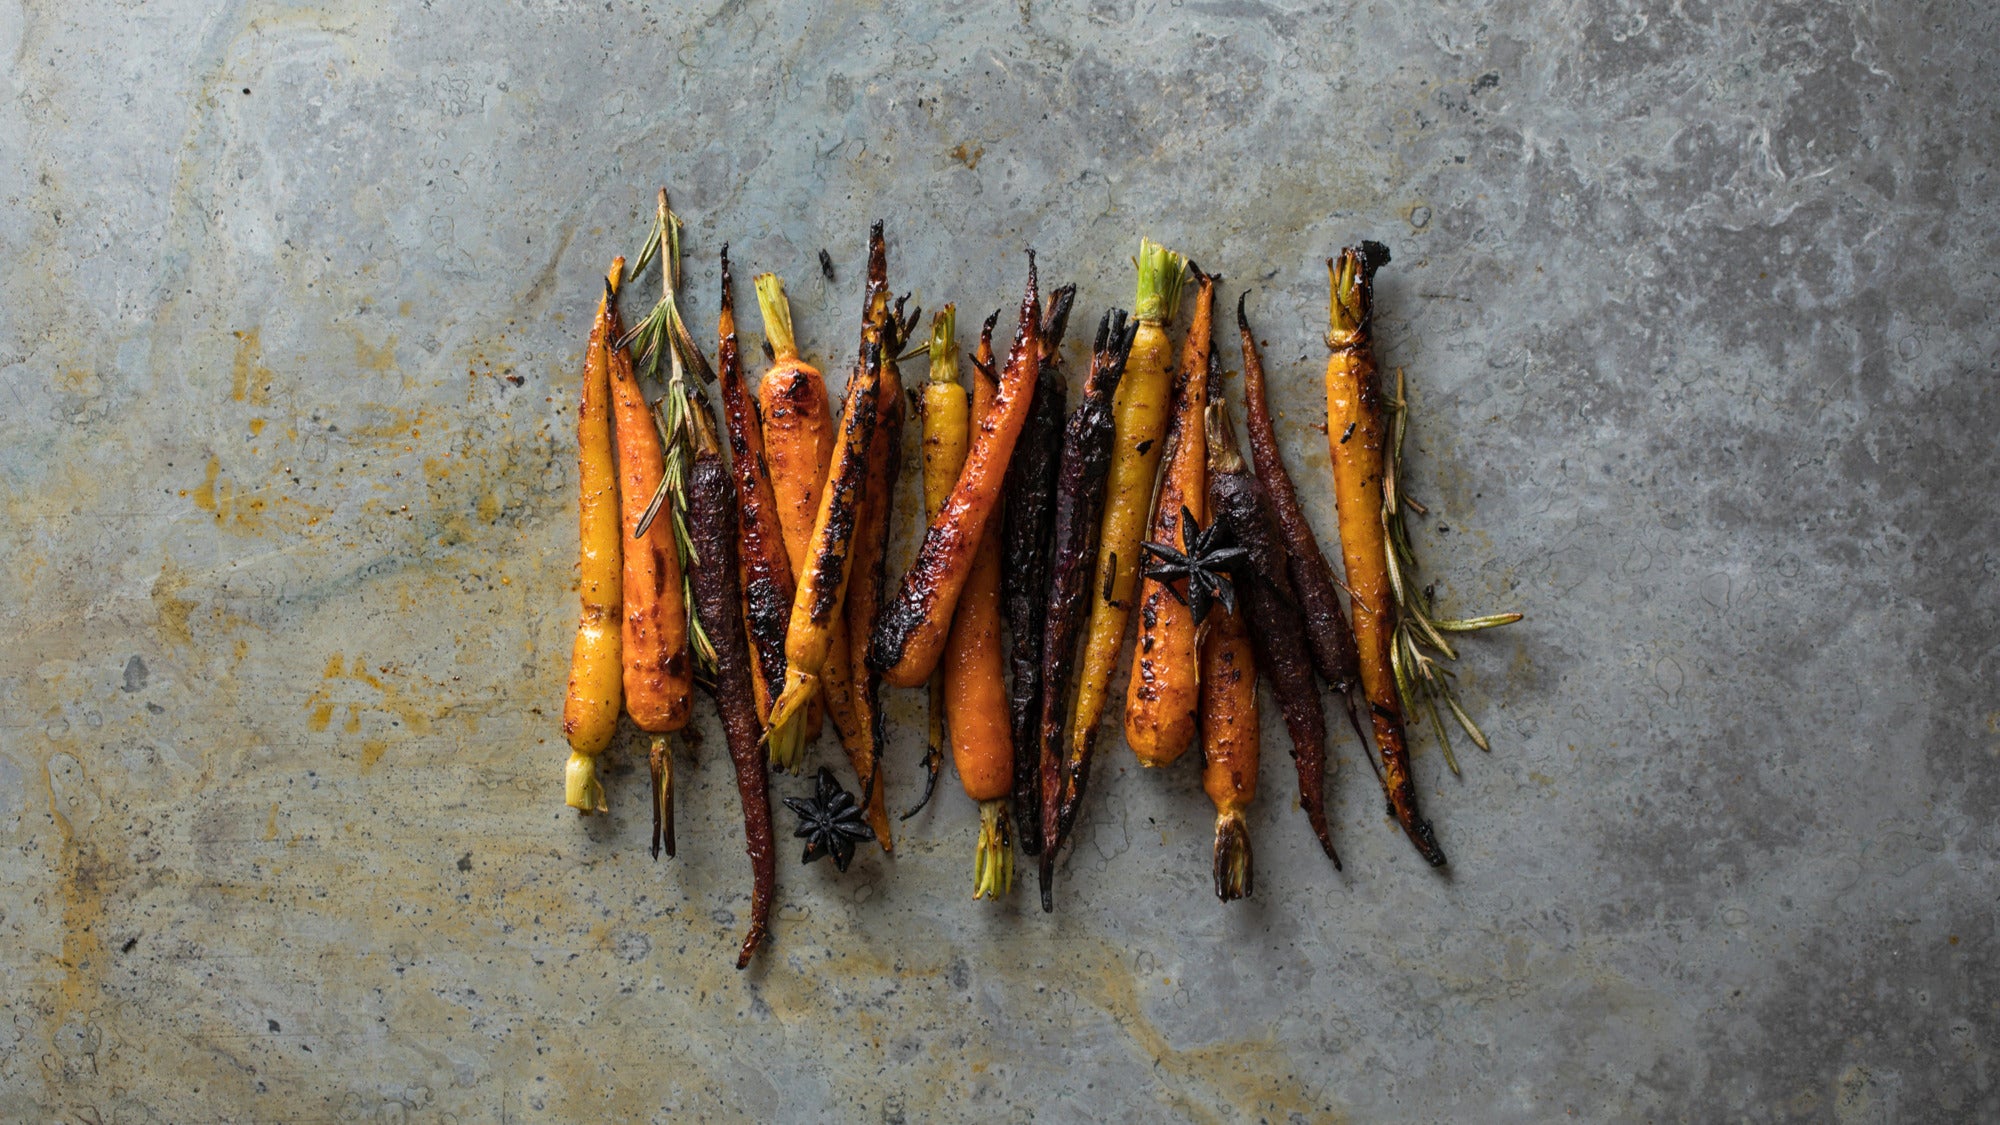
{"x":664,"y":333}
{"x":1419,"y":645}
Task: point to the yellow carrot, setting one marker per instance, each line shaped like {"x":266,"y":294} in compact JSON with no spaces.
{"x":590,"y":710}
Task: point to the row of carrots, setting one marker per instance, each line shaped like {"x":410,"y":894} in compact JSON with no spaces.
{"x":1044,"y":525}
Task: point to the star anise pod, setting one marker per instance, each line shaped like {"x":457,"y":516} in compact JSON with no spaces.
{"x":1203,"y":563}
{"x":830,"y":822}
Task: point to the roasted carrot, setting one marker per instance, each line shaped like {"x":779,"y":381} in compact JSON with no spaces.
{"x":1271,"y":613}
{"x":945,"y":428}
{"x":1164,"y":692}
{"x":764,"y":567}
{"x":881,"y":328}
{"x":1355,"y":431}
{"x":1312,"y":579}
{"x":1074,"y":527}
{"x":911,"y":632}
{"x":1229,"y":746}
{"x":975,"y":692}
{"x":658,"y":673}
{"x":590,"y":709}
{"x":822,"y":582}
{"x":718,"y":601}
{"x":798,"y":450}
{"x":1024,"y":561}
{"x":1141,"y":412}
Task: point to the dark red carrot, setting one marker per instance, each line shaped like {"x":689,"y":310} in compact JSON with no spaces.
{"x":718,"y":601}
{"x":1333,"y":651}
{"x":1024,"y":573}
{"x":1073,"y":530}
{"x":1271,"y":610}
{"x":763,"y":567}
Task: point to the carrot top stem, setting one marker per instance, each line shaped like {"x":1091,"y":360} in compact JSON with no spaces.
{"x":1161,"y":272}
{"x":944,"y":345}
{"x":993,"y":862}
{"x":777,"y":312}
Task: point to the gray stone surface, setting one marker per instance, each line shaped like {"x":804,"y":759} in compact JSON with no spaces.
{"x":1696,"y":299}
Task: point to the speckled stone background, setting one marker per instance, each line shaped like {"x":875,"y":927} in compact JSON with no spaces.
{"x":1697,"y":302}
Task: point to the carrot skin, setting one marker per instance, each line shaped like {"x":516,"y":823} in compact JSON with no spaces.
{"x":1141,"y":410}
{"x":910,"y":635}
{"x":658,"y":671}
{"x":712,"y":527}
{"x":798,"y":441}
{"x":590,"y":706}
{"x":1270,"y":609}
{"x":1229,"y":745}
{"x":880,"y":324}
{"x":1024,"y":569}
{"x":975,"y":686}
{"x":1074,"y":527}
{"x":1334,"y":655}
{"x":1163,"y":694}
{"x":822,"y":584}
{"x":1356,"y":433}
{"x":764,"y":568}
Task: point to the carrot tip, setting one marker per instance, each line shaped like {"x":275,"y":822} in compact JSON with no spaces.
{"x":1232,"y":857}
{"x":785,"y":735}
{"x":581,"y":789}
{"x":993,"y":860}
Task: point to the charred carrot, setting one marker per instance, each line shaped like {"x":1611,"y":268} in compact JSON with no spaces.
{"x":590,"y":709}
{"x":1355,"y":430}
{"x":882,"y":328}
{"x":911,"y":632}
{"x":1270,"y":611}
{"x":658,"y":673}
{"x":1074,"y":527}
{"x":764,"y":567}
{"x":718,"y":601}
{"x":945,"y":427}
{"x":822,"y":582}
{"x":1024,"y":561}
{"x":1229,"y":746}
{"x":1164,"y":692}
{"x":1141,"y":412}
{"x":1312,"y":579}
{"x":798,"y":449}
{"x":975,"y":692}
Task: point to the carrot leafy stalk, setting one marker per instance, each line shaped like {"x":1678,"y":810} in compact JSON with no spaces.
{"x":718,"y":602}
{"x":945,"y":428}
{"x":1420,"y":638}
{"x":910,"y":635}
{"x":1024,"y":564}
{"x":1356,"y":435}
{"x":1271,"y":611}
{"x":1063,"y":765}
{"x":663,"y":337}
{"x":590,"y":707}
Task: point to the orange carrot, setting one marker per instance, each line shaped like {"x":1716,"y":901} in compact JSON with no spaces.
{"x":911,"y":632}
{"x":975,"y":691}
{"x":1165,"y":689}
{"x":1229,"y":745}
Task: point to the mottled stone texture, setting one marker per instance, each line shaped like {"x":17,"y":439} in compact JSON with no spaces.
{"x":1697,"y":304}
